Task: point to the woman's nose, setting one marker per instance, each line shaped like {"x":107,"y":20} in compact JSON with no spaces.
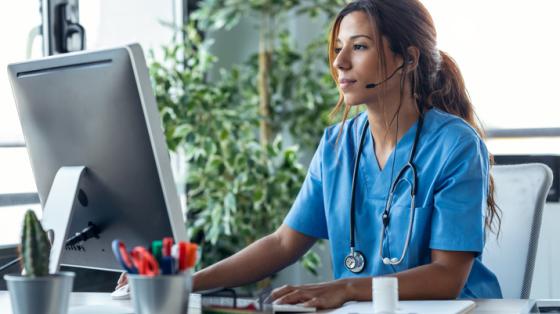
{"x":341,"y":62}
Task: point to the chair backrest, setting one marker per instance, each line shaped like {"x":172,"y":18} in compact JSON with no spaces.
{"x":520,"y":192}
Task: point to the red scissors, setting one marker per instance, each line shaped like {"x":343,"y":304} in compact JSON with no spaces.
{"x":145,"y":262}
{"x":139,"y":261}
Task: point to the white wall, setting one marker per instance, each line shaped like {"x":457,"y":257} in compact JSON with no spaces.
{"x":112,"y":23}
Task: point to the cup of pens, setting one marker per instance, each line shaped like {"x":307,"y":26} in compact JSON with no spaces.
{"x":159,"y":276}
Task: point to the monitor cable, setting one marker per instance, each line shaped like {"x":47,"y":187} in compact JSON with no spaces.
{"x":73,"y":243}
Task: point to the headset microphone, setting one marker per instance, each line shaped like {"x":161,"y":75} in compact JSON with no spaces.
{"x":374,"y":85}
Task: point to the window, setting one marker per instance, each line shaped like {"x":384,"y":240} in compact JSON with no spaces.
{"x":507,"y":52}
{"x":107,"y":23}
{"x":18,"y":20}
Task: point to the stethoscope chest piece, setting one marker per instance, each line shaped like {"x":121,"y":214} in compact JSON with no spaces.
{"x":355,"y":261}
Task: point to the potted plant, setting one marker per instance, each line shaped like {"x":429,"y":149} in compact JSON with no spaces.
{"x":35,"y":290}
{"x":241,"y":178}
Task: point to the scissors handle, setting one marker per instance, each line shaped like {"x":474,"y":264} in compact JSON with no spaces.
{"x":120,"y":252}
{"x":145,"y":262}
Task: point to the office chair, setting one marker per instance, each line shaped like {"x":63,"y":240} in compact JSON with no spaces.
{"x":520,"y":192}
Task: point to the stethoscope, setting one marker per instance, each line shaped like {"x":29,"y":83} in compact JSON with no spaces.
{"x":355,"y":261}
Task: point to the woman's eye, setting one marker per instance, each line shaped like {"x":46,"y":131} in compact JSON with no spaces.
{"x":337,"y":50}
{"x":359,"y":47}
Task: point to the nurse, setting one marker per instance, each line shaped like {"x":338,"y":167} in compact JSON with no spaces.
{"x":401,"y":189}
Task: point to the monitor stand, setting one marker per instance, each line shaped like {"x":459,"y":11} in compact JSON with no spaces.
{"x":58,"y":210}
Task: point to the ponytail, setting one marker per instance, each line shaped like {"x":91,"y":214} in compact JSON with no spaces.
{"x":449,"y":94}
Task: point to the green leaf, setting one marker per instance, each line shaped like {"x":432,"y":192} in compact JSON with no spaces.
{"x":311,"y":262}
{"x":238,"y":189}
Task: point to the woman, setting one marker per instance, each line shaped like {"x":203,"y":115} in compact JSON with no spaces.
{"x":383,"y":54}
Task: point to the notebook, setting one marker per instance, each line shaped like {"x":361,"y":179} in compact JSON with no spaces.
{"x":291,"y":308}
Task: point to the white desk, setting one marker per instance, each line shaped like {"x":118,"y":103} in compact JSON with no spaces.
{"x":91,"y":298}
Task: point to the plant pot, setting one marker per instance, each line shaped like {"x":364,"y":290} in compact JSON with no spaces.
{"x":49,"y":294}
{"x":160,"y":294}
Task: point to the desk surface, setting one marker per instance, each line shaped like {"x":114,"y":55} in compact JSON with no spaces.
{"x":78,"y":299}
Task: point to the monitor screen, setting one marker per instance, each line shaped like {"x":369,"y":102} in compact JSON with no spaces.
{"x":97,"y":109}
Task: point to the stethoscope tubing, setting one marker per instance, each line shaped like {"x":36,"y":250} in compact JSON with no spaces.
{"x":387,"y":209}
{"x":353,"y":193}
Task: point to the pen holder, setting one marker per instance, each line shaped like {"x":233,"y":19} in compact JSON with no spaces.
{"x":48,"y":294}
{"x":160,"y":294}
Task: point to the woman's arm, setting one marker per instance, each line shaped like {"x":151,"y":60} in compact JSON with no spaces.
{"x":260,"y":259}
{"x":443,"y":278}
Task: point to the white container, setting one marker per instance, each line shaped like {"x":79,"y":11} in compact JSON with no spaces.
{"x":385,"y":295}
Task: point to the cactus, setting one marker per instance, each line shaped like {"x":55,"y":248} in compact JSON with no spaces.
{"x":35,"y":247}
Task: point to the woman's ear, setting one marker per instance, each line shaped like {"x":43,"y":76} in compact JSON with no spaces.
{"x":413,"y":56}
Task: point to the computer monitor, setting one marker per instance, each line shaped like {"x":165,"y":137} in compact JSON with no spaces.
{"x":95,"y":140}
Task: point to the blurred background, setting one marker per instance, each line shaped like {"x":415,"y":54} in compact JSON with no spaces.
{"x":256,"y":71}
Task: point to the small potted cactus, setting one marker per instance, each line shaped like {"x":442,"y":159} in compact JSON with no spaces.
{"x":35,"y":290}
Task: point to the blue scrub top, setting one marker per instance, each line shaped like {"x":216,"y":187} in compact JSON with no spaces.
{"x":452,"y":168}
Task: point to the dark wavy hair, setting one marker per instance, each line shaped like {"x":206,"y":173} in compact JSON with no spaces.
{"x":435,"y":82}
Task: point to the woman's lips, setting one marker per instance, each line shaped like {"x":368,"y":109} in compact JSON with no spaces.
{"x":345,"y":83}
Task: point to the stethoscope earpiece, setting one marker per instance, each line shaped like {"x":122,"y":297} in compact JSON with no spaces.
{"x":391,"y":261}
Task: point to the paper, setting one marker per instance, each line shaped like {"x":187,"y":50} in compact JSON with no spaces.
{"x":409,"y":307}
{"x":96,"y":309}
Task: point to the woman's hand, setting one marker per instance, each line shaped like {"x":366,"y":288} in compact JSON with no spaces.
{"x":123,"y":280}
{"x":321,"y":296}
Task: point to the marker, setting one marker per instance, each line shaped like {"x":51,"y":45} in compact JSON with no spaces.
{"x":156,"y":249}
{"x":167,"y":244}
{"x":182,"y":255}
{"x":167,"y":265}
{"x":192,"y":248}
